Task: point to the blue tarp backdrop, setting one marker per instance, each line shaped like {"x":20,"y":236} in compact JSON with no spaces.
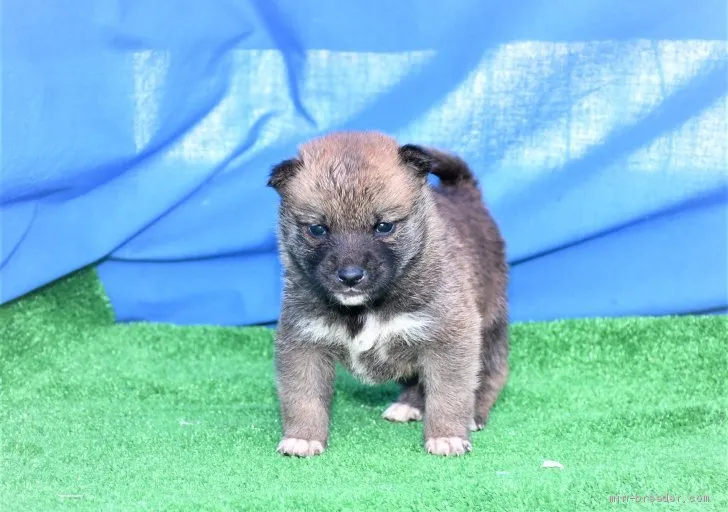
{"x":139,"y":135}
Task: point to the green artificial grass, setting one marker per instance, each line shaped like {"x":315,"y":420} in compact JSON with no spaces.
{"x":98,"y":416}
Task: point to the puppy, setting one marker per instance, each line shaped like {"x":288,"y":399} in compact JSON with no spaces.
{"x":394,"y":278}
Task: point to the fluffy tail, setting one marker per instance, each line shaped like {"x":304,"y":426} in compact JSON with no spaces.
{"x":451,"y":169}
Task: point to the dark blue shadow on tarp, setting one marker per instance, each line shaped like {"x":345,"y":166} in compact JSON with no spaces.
{"x":139,"y":136}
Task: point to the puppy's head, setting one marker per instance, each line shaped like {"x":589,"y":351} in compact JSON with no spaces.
{"x":353,"y":213}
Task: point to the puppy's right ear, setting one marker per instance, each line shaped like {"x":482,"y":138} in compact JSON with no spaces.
{"x":283,"y":172}
{"x":416,"y":158}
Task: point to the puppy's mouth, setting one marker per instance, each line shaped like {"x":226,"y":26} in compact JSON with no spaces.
{"x":351,"y":297}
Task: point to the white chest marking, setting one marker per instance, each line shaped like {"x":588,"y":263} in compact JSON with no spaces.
{"x":375,"y":334}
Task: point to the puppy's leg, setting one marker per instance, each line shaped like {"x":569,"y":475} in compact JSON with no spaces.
{"x":305,"y":388}
{"x":410,"y":404}
{"x":450,"y":378}
{"x":493,"y":371}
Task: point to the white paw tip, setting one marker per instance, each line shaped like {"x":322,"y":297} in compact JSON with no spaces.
{"x":402,"y":413}
{"x":448,"y":446}
{"x":300,"y":447}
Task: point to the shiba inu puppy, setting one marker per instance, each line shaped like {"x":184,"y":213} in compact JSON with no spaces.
{"x":396,"y":279}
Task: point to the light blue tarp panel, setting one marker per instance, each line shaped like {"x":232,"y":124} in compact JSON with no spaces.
{"x":139,"y":135}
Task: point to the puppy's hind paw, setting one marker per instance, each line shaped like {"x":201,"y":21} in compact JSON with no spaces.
{"x":402,"y":413}
{"x":476,"y":424}
{"x":300,"y":447}
{"x":448,"y":446}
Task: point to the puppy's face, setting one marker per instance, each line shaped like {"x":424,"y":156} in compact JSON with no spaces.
{"x":352,"y":214}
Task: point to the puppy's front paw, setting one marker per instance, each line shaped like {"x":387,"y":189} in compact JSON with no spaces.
{"x":402,"y":413}
{"x":447,"y":446}
{"x":300,"y":447}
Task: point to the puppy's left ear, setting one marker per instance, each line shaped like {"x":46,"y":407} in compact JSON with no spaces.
{"x":416,"y":158}
{"x":283,"y":172}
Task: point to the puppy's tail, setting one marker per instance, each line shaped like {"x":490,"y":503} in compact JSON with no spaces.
{"x":451,"y":169}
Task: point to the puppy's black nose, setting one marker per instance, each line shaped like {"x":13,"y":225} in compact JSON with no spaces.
{"x":350,"y":275}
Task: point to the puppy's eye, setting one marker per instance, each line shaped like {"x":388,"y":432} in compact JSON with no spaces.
{"x":383,"y":228}
{"x":318,"y":230}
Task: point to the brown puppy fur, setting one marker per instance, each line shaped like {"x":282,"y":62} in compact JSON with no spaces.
{"x":394,"y":278}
